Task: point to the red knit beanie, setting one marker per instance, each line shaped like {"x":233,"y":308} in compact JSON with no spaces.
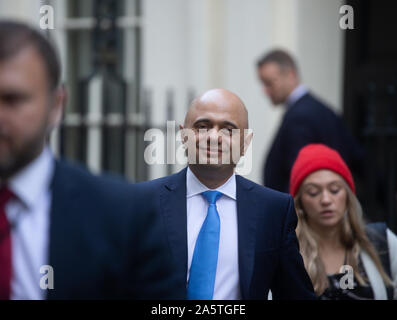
{"x":313,"y":157}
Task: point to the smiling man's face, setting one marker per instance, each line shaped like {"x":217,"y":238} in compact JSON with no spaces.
{"x":214,"y":129}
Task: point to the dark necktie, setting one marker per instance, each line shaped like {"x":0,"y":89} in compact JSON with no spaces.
{"x":205,"y":257}
{"x":5,"y":246}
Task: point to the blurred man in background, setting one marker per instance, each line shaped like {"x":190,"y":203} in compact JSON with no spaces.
{"x":306,"y":120}
{"x":82,"y":233}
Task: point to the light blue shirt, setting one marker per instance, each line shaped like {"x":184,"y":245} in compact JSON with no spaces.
{"x":227,"y":280}
{"x":296,"y":94}
{"x":29,"y":214}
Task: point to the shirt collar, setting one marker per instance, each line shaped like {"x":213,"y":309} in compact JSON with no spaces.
{"x":296,"y":94}
{"x":194,"y":186}
{"x":34,"y":179}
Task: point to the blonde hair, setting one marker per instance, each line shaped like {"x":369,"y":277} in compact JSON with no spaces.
{"x":353,"y":238}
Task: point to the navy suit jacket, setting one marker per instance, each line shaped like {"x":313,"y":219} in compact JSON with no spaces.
{"x":101,"y":245}
{"x":268,"y":254}
{"x":308,"y":121}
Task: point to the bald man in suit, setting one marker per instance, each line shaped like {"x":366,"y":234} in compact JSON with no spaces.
{"x":230,"y":238}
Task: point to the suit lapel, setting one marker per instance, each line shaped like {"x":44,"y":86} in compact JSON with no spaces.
{"x":246,"y":218}
{"x":60,"y":228}
{"x":173,"y":204}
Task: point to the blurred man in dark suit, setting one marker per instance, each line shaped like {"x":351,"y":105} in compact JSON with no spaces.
{"x":306,"y":120}
{"x":64,"y":234}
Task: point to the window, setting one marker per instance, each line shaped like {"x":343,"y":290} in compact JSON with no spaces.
{"x":100,"y":47}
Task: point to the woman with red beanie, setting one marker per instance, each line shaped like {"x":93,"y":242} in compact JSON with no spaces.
{"x":344,"y":258}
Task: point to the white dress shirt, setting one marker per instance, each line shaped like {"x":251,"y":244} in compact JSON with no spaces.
{"x":28,"y":215}
{"x":227,"y":284}
{"x":296,"y":94}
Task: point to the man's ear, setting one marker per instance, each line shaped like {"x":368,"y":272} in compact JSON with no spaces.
{"x":293,"y":75}
{"x":247,"y":140}
{"x":183,"y":135}
{"x":58,"y":106}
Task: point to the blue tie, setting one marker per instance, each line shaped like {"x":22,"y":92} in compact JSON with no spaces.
{"x":205,"y":257}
